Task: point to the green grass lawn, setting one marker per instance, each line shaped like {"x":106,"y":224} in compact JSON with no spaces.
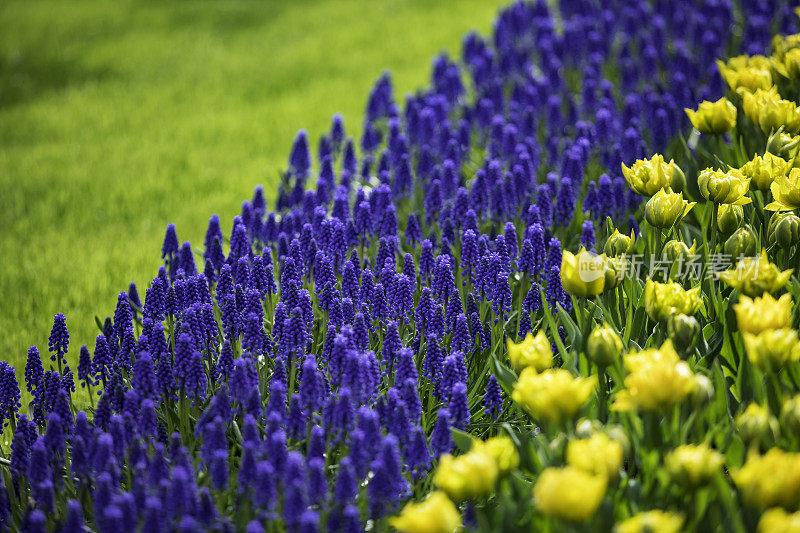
{"x":117,"y":118}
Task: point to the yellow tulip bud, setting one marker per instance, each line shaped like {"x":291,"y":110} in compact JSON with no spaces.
{"x":533,"y":352}
{"x":647,"y":176}
{"x":742,"y":243}
{"x":568,"y":493}
{"x":790,"y":414}
{"x":683,"y":330}
{"x":763,"y":170}
{"x":756,"y":425}
{"x":467,"y":476}
{"x":703,"y":391}
{"x":746,"y":73}
{"x":657,"y":380}
{"x":603,"y":345}
{"x":724,"y":187}
{"x":435,"y":514}
{"x":677,"y":250}
{"x":754,"y":276}
{"x":770,"y":480}
{"x":598,"y":455}
{"x":783,"y":145}
{"x":784,"y":230}
{"x":713,"y":117}
{"x":619,"y":244}
{"x":773,"y":349}
{"x":786,"y":192}
{"x":666,"y":208}
{"x":583,"y":274}
{"x":655,"y":521}
{"x":729,"y":216}
{"x":693,"y":466}
{"x":763,"y":313}
{"x":552,"y":396}
{"x":662,"y":300}
{"x":777,"y":520}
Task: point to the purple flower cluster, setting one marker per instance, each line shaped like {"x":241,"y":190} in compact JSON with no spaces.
{"x":325,"y":359}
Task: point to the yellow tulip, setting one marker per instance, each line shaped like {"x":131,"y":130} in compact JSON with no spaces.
{"x":569,"y":493}
{"x":779,"y":521}
{"x":503,"y":451}
{"x":772,"y":349}
{"x":533,"y":352}
{"x":467,"y":476}
{"x":662,"y":300}
{"x":692,"y":466}
{"x":554,"y":395}
{"x":583,"y":274}
{"x":666,"y":208}
{"x":724,"y":187}
{"x":598,"y":455}
{"x":782,"y":44}
{"x":746,"y":73}
{"x":648,"y":176}
{"x":603,"y":345}
{"x":619,"y":244}
{"x":789,"y":65}
{"x":784,"y":229}
{"x":713,"y":117}
{"x":729,"y":216}
{"x":767,"y":110}
{"x":657,"y":379}
{"x":435,"y":514}
{"x":764,"y":170}
{"x":756,"y":424}
{"x":786,"y":192}
{"x":783,"y":145}
{"x":764,"y":313}
{"x":675,"y":250}
{"x":770,"y":480}
{"x":753,"y":276}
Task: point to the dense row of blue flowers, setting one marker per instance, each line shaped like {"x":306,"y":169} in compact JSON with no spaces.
{"x":308,"y":378}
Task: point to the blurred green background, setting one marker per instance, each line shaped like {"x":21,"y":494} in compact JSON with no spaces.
{"x":117,"y":118}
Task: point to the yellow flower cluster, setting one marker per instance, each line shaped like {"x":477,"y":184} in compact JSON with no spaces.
{"x":552,"y":396}
{"x":436,"y":514}
{"x":786,"y":192}
{"x":569,"y":493}
{"x":713,"y":117}
{"x":598,"y":455}
{"x":779,"y":521}
{"x":666,"y":208}
{"x":657,"y":379}
{"x":663,"y":300}
{"x":770,"y":480}
{"x":745,"y":74}
{"x":757,"y":315}
{"x":533,"y":351}
{"x":762,"y":171}
{"x":754,"y":276}
{"x":766,"y":109}
{"x":724,"y":187}
{"x":647,"y":176}
{"x":475,"y":473}
{"x":692,"y":465}
{"x":587,"y":274}
{"x":756,"y":424}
